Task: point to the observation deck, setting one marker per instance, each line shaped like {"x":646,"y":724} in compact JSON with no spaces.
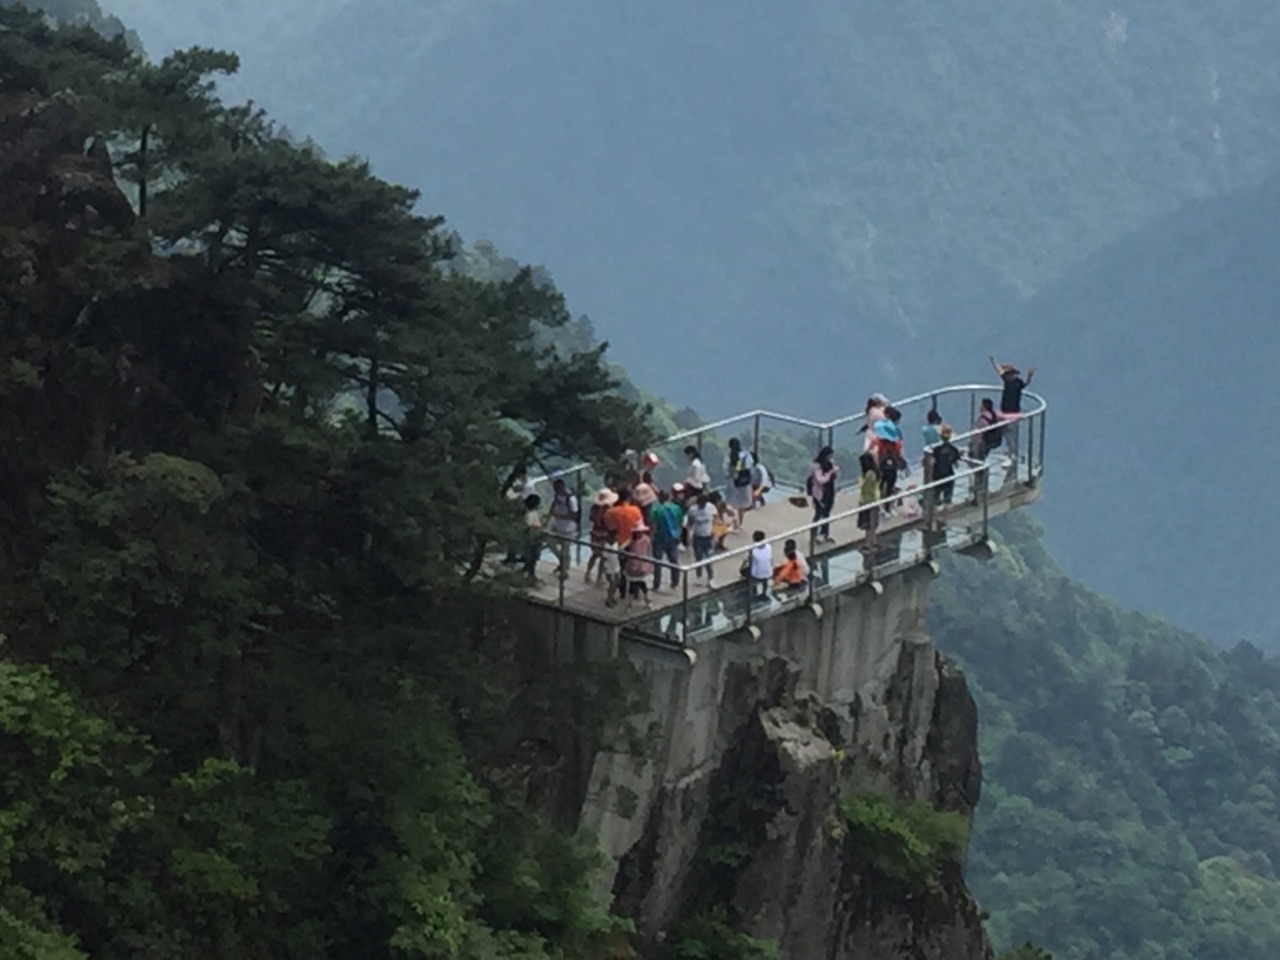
{"x":692,"y":613}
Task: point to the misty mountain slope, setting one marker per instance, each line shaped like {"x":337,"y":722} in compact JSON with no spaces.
{"x":855,"y":187}
{"x":1159,"y":353}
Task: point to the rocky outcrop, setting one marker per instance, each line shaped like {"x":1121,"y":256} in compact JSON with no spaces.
{"x":737,"y":808}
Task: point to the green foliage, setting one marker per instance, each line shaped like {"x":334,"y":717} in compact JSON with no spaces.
{"x":711,"y":936}
{"x":907,"y":841}
{"x":1130,"y":769}
{"x":256,"y":657}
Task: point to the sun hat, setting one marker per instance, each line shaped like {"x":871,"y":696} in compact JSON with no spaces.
{"x":606,"y":498}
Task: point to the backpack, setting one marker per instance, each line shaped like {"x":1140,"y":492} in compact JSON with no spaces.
{"x":563,"y":502}
{"x":945,"y":457}
{"x":670,"y":527}
{"x":993,"y":438}
{"x":741,"y":473}
{"x":598,"y":528}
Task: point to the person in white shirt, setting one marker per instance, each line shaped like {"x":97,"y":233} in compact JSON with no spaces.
{"x":697,"y":478}
{"x":759,"y":567}
{"x":700,"y":519}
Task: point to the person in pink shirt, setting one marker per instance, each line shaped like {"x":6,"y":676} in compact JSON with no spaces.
{"x":876,"y":405}
{"x":637,"y":565}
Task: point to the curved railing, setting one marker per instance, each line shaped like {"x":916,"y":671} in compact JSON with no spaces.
{"x":919,"y":527}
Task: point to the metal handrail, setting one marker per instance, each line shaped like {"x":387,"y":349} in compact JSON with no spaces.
{"x":815,"y":425}
{"x":809,"y":528}
{"x":685,"y":568}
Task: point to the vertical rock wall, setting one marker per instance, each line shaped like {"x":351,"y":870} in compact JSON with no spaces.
{"x":735,"y":798}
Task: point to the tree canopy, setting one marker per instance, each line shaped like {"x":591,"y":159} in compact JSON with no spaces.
{"x":257,"y":428}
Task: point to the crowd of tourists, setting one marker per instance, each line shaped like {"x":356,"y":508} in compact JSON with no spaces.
{"x":637,"y":528}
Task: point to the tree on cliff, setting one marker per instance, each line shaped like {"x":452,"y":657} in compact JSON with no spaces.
{"x":251,"y":694}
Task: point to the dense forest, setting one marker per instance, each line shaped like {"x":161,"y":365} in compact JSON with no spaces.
{"x":1131,"y":769}
{"x":251,"y":700}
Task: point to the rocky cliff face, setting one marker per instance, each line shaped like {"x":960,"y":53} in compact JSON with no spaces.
{"x":736,"y":804}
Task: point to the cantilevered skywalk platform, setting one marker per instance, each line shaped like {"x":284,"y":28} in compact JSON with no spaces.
{"x":916,"y":531}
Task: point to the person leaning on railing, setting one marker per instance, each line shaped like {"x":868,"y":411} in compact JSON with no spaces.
{"x":868,"y":490}
{"x":757,"y":568}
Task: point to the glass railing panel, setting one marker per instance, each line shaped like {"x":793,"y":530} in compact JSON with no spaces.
{"x":837,"y":570}
{"x":896,"y":551}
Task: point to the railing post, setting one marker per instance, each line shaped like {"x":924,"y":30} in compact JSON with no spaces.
{"x":1043,"y":414}
{"x":577,"y":546}
{"x":930,"y":512}
{"x":813,"y":551}
{"x":755,"y":440}
{"x":973,"y":410}
{"x":986,"y":499}
{"x":1031,"y":453}
{"x":684,"y":607}
{"x":699,"y":439}
{"x":562,"y":578}
{"x":871,"y":540}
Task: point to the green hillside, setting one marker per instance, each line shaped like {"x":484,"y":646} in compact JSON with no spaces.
{"x":1131,"y":770}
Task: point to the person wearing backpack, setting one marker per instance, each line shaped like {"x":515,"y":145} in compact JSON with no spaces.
{"x":565,"y":518}
{"x":667,"y":520}
{"x":738,"y":465}
{"x":823,"y":477}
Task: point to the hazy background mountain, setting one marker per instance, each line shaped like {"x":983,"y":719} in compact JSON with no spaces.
{"x":796,"y":204}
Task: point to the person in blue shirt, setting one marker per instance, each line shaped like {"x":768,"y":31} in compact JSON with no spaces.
{"x":667,"y":520}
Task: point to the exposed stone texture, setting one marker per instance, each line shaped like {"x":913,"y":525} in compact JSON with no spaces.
{"x":739,"y":803}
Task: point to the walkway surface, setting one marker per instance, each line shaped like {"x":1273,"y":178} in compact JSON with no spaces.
{"x":960,"y":522}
